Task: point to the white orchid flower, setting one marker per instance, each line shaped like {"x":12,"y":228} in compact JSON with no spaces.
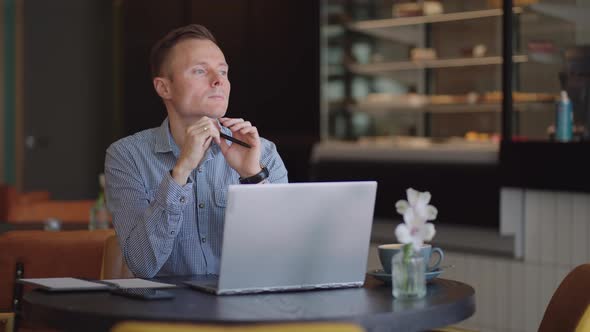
{"x":416,"y":212}
{"x":401,"y":206}
{"x":415,"y":233}
{"x":419,"y":202}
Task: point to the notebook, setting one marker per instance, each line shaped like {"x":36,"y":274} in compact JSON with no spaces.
{"x":66,"y":284}
{"x":299,"y":236}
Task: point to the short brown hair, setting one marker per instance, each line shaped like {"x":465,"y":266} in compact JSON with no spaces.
{"x":163,"y":46}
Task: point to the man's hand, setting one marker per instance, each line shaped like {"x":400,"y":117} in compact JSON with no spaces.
{"x":245,"y":161}
{"x":197,"y":140}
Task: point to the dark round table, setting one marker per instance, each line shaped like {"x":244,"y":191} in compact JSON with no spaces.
{"x":372,"y":306}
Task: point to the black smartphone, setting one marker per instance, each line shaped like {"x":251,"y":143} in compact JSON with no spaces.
{"x":143,"y":293}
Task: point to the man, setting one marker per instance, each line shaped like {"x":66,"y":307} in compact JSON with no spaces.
{"x":166,"y":187}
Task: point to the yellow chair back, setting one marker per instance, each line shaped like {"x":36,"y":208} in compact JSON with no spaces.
{"x":584,"y":323}
{"x":282,"y":327}
{"x":113,"y":263}
{"x":7,"y":319}
{"x":568,"y":307}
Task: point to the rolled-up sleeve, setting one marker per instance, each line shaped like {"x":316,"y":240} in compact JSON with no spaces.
{"x":146,"y":223}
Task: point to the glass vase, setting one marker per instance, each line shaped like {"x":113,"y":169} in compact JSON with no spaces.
{"x":408,"y":280}
{"x":99,"y":218}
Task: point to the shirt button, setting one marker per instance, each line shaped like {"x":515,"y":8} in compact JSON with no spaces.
{"x":182,"y":199}
{"x":172,"y":232}
{"x":203,"y":239}
{"x":200,"y":169}
{"x":201,"y":205}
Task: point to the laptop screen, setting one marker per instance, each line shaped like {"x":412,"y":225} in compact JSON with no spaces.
{"x":296,"y":236}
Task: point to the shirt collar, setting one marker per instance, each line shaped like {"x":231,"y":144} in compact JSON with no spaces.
{"x":164,"y":139}
{"x":165,"y":142}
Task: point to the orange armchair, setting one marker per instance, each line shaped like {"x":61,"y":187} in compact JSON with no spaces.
{"x":37,"y":206}
{"x":65,"y":211}
{"x":10,"y":198}
{"x":48,"y":254}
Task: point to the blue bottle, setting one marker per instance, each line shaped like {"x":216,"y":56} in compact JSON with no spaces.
{"x":565,"y":119}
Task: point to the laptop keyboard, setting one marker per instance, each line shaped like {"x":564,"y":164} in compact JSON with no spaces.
{"x":204,"y":281}
{"x":209,"y":284}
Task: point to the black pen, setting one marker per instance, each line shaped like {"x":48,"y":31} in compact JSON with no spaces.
{"x":235,"y":140}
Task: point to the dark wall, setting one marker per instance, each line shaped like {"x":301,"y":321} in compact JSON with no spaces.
{"x":273,"y":51}
{"x":67,"y":95}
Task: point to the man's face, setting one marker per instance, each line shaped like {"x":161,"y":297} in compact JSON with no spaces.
{"x":198,"y":81}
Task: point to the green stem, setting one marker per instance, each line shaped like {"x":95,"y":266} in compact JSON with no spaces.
{"x":407,"y":253}
{"x":406,"y":262}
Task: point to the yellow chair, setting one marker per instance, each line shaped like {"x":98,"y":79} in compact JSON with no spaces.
{"x":113,"y":264}
{"x":282,"y":327}
{"x":568,"y":308}
{"x":7,"y":319}
{"x":584,"y":323}
{"x":453,"y":329}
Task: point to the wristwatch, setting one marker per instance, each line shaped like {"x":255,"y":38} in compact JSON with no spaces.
{"x":256,"y":178}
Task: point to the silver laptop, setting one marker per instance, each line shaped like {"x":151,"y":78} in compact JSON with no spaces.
{"x":298,"y":236}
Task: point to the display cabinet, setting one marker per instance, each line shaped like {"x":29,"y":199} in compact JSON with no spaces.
{"x":397,"y":71}
{"x":411,"y":88}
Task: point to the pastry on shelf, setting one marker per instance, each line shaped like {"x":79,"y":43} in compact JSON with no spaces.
{"x":396,"y":141}
{"x":413,"y":141}
{"x":416,"y":100}
{"x":519,"y":97}
{"x":474,"y":136}
{"x":492,"y":97}
{"x":472,"y":97}
{"x":417,"y":8}
{"x":408,"y":100}
{"x":479,"y":51}
{"x":420,"y":54}
{"x":432,"y":7}
{"x":475,"y":51}
{"x":448,"y":99}
{"x":407,"y":9}
{"x":534,"y":97}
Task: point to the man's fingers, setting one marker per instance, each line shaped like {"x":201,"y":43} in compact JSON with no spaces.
{"x":249,"y":130}
{"x":207,"y":142}
{"x":223,"y":145}
{"x":239,"y":126}
{"x":203,"y":131}
{"x":228,"y":122}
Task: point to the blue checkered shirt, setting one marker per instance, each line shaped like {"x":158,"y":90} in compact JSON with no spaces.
{"x":164,"y":228}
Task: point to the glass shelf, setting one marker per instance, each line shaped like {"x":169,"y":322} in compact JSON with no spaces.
{"x":380,"y":68}
{"x":384,"y":108}
{"x":368,"y":25}
{"x":408,"y":29}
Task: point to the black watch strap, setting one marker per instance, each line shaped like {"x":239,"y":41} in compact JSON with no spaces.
{"x":256,"y":178}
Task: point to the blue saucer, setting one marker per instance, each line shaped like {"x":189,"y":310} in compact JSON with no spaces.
{"x":386,"y":277}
